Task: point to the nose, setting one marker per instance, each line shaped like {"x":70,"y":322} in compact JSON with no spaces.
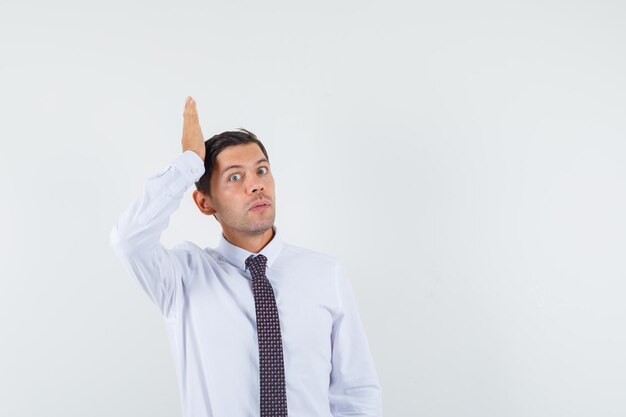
{"x":255,"y":186}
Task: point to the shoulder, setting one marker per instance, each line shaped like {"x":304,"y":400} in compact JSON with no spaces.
{"x":194,"y":253}
{"x":188,"y":246}
{"x":196,"y":256}
{"x":306,"y":256}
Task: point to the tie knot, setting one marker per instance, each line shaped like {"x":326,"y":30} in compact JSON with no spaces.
{"x":256,"y":265}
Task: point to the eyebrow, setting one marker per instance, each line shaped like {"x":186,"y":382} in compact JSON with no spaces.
{"x":241,"y":166}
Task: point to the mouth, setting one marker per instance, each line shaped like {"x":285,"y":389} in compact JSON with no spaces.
{"x":260,"y":206}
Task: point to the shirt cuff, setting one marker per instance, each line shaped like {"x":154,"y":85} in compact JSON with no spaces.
{"x":190,"y":165}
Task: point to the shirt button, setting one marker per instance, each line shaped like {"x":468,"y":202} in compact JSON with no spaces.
{"x":168,"y":195}
{"x":194,"y":170}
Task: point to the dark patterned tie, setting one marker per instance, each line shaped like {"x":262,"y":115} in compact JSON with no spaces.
{"x":272,"y":369}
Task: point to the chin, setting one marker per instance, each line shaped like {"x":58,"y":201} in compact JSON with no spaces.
{"x":260,"y":225}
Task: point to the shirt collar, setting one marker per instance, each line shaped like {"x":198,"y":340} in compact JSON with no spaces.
{"x":237,"y":256}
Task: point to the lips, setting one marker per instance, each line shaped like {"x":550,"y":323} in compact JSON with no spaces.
{"x":260,"y":204}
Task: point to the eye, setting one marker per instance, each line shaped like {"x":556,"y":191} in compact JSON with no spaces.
{"x":234,"y":175}
{"x":265,"y":168}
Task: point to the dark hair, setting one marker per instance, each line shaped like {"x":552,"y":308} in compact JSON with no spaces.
{"x":217,"y":144}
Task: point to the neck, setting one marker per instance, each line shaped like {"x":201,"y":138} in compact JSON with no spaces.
{"x":250,"y":242}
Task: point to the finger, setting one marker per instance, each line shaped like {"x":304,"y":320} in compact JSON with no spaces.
{"x":190,"y":109}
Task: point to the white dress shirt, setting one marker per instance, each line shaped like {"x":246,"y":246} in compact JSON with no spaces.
{"x":205,"y":296}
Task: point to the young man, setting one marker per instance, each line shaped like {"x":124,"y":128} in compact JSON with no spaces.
{"x":257,"y":327}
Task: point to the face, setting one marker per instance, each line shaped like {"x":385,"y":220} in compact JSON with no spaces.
{"x":241,"y":177}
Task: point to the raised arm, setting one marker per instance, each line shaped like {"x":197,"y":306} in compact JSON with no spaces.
{"x":136,"y":235}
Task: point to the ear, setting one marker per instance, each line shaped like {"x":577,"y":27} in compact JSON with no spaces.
{"x":203,"y":202}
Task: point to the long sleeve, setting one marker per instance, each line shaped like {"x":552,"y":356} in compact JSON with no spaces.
{"x":160,"y":272}
{"x":354,"y":386}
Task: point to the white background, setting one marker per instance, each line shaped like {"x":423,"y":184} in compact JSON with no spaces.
{"x":464,"y":159}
